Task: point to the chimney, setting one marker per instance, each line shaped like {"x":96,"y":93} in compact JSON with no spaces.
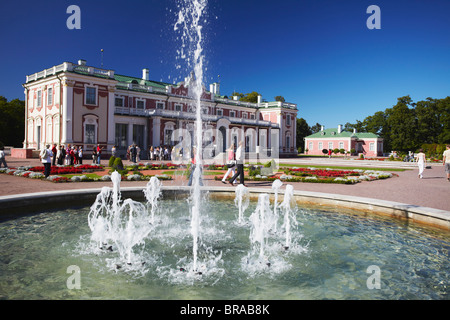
{"x":321,"y":128}
{"x":235,"y":98}
{"x":82,"y":62}
{"x":354,"y":130}
{"x":259,"y":98}
{"x":340,"y":128}
{"x":212,"y":88}
{"x":145,"y":74}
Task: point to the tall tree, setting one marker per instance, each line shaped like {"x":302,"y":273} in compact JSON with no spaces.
{"x":280,"y":98}
{"x":303,"y":130}
{"x":403,"y":125}
{"x":12,"y":117}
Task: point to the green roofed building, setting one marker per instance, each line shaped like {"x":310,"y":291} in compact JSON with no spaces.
{"x":82,"y":105}
{"x":366,"y":143}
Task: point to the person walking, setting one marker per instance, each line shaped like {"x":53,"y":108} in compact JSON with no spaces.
{"x":54,"y":151}
{"x":80,"y":155}
{"x":193,"y":166}
{"x":3,"y":157}
{"x":231,"y":163}
{"x":421,"y":162}
{"x":46,"y":159}
{"x":99,"y":153}
{"x":239,"y":165}
{"x":446,"y":161}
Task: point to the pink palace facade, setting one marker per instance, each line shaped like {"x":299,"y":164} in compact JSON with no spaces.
{"x":82,"y":105}
{"x":368,"y":144}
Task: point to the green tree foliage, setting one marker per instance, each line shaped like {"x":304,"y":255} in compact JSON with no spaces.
{"x":12,"y":122}
{"x":280,"y":98}
{"x":302,"y":130}
{"x":408,"y":126}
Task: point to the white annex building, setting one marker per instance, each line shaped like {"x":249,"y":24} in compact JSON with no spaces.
{"x":84,"y":106}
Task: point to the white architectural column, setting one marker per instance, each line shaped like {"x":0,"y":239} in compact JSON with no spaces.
{"x":156,"y":141}
{"x":111,"y":138}
{"x":67,"y":107}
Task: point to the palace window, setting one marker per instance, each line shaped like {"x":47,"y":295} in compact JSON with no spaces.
{"x":91,"y":95}
{"x":160,"y":105}
{"x":140,"y":104}
{"x":49,"y":96}
{"x":118,"y":102}
{"x":39,"y":98}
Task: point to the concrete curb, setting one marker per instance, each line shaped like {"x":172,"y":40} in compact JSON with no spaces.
{"x":410,"y":213}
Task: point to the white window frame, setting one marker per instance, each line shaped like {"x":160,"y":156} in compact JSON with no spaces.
{"x":90,"y":120}
{"x":160,"y":105}
{"x":310,"y":145}
{"x":341,"y":144}
{"x":50,"y":96}
{"x":320,"y":145}
{"x":39,"y":98}
{"x":86,"y":96}
{"x":232,"y":114}
{"x":288,"y":119}
{"x":244,"y":115}
{"x":252,"y":116}
{"x":119,"y":98}
{"x":179,"y":107}
{"x":219,"y":112}
{"x":330,"y":145}
{"x":138,"y":102}
{"x":372,"y":146}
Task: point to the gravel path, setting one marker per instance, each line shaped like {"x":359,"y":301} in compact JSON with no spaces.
{"x":432,"y":191}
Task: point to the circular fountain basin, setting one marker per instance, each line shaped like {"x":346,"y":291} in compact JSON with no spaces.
{"x":331,"y":256}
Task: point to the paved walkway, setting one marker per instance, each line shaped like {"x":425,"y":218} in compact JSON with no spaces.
{"x":432,"y":191}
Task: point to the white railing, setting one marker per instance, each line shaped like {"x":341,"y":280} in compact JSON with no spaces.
{"x":190,"y":115}
{"x":68,"y":66}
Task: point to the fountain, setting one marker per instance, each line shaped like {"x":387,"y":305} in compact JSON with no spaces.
{"x":241,"y":201}
{"x":197,"y":251}
{"x":290,"y":220}
{"x":152,"y":193}
{"x":119,"y":226}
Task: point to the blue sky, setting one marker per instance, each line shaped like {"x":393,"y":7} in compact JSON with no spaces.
{"x":318,"y":54}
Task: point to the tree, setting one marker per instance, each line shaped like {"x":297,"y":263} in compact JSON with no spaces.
{"x":303,"y":130}
{"x":316,"y":128}
{"x":403,"y":125}
{"x":280,"y":98}
{"x":250,"y":97}
{"x":12,"y":122}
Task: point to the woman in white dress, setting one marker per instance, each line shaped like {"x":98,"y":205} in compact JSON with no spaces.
{"x":421,"y":162}
{"x":230,"y":163}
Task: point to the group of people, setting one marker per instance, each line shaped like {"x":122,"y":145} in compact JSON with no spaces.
{"x":159,"y":153}
{"x":69,"y":155}
{"x":421,"y":161}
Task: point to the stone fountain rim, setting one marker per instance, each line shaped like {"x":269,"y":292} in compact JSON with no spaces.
{"x":410,"y":213}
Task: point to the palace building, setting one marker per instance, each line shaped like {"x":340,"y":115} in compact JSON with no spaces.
{"x":366,"y":143}
{"x":84,"y":106}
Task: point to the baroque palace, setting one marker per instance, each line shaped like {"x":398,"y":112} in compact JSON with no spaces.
{"x":84,"y":106}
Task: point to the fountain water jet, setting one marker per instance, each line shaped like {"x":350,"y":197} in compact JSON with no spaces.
{"x":276,"y":185}
{"x":152,"y":193}
{"x":241,"y":201}
{"x":189,"y":18}
{"x":125,"y":225}
{"x":289,"y":215}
